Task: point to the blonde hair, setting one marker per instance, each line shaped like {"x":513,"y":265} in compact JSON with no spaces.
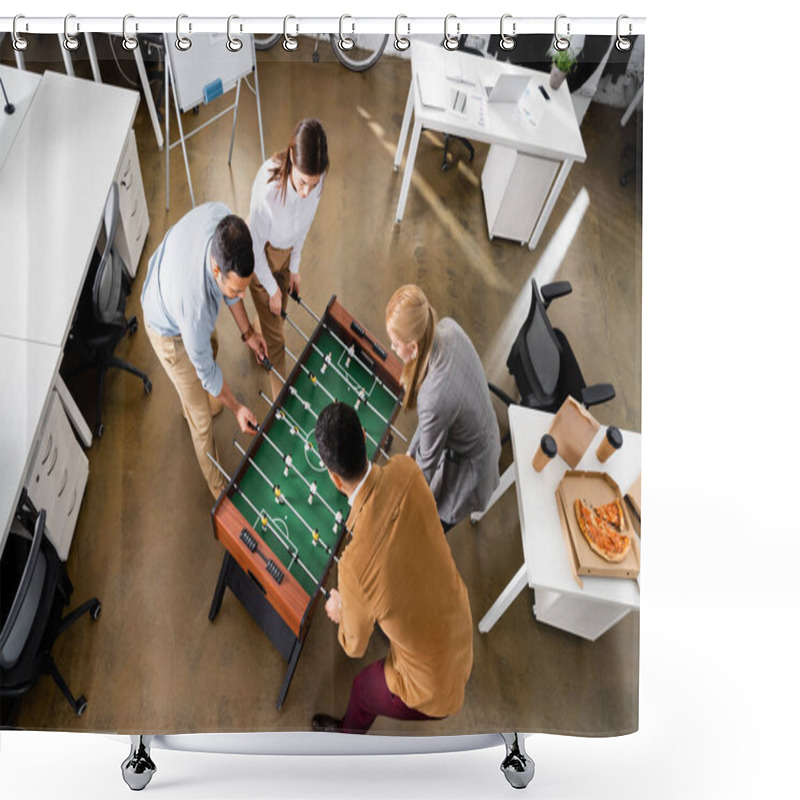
{"x":412,"y":319}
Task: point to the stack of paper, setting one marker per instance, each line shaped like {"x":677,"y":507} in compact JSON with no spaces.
{"x":433,"y":92}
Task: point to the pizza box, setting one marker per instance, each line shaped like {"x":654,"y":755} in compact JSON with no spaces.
{"x":596,"y":488}
{"x":573,"y":428}
{"x":634,"y":500}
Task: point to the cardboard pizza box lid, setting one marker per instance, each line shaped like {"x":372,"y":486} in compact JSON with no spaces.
{"x":634,"y":495}
{"x":596,"y":488}
{"x":573,"y":428}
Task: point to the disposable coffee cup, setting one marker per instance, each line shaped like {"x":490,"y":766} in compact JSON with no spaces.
{"x":547,"y":450}
{"x":611,"y":442}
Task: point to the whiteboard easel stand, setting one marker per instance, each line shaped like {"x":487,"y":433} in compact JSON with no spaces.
{"x":183,"y":137}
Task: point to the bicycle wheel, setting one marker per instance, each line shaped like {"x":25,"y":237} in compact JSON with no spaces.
{"x":367,"y":50}
{"x":264,"y":41}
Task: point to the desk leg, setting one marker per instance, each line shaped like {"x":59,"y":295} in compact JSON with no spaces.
{"x":401,"y":142}
{"x":68,"y":62}
{"x":506,"y":598}
{"x":561,"y":179}
{"x":409,"y":170}
{"x":148,"y":96}
{"x":73,"y":412}
{"x":92,"y":57}
{"x":632,"y":107}
{"x":506,"y":479}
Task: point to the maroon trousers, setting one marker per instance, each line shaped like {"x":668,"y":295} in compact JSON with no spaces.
{"x":370,"y":697}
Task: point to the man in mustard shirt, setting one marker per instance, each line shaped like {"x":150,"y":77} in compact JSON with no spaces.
{"x":397,"y":571}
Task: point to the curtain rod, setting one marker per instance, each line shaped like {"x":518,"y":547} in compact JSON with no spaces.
{"x":406,"y":25}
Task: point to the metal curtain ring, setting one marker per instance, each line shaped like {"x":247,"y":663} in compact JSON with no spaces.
{"x":71,"y":43}
{"x":451,"y":42}
{"x":128,"y":42}
{"x":234,"y":45}
{"x":289,"y":42}
{"x":182,"y":42}
{"x":560,"y":43}
{"x":400,"y":42}
{"x":19,"y":42}
{"x":507,"y":42}
{"x":345,"y":43}
{"x":623,"y":43}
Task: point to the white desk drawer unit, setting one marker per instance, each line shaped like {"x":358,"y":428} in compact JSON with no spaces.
{"x":134,"y":220}
{"x":516,"y":187}
{"x":57,"y":476}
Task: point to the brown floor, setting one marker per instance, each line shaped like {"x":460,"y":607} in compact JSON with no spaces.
{"x":144,"y":543}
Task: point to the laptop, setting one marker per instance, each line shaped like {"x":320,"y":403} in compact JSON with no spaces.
{"x":507,"y":89}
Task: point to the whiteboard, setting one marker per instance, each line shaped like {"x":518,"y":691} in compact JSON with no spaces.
{"x":208,"y":60}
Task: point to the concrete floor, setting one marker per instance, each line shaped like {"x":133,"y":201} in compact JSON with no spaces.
{"x":144,"y":542}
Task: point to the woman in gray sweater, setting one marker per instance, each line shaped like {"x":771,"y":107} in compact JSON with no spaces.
{"x":457,"y":441}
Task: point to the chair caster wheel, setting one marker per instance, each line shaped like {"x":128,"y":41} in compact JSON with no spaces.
{"x":473,"y":521}
{"x":134,"y":326}
{"x":96,"y":609}
{"x":80,"y":705}
{"x":148,"y":387}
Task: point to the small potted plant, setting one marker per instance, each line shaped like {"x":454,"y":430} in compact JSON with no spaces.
{"x":563,"y":62}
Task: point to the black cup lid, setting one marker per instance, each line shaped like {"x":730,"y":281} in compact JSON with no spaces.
{"x":614,"y":437}
{"x":549,"y":446}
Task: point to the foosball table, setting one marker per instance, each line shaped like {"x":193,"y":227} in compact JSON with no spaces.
{"x":281,"y":519}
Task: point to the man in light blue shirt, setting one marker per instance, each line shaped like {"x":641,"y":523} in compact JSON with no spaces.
{"x":206,"y":257}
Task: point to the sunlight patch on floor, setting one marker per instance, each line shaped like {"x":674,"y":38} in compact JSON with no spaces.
{"x":544,"y":272}
{"x":460,"y":235}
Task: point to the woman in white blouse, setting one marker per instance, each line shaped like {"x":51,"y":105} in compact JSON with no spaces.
{"x":283,"y":203}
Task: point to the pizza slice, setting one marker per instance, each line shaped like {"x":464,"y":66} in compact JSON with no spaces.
{"x":612,"y":514}
{"x":603,"y":538}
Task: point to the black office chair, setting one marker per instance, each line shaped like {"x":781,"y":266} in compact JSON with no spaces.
{"x":34,"y":589}
{"x":542,"y":363}
{"x":101,"y":322}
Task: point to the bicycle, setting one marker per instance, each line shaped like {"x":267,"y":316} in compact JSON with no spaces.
{"x":367,"y":49}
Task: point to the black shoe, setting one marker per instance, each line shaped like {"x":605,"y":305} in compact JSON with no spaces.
{"x":327,"y":723}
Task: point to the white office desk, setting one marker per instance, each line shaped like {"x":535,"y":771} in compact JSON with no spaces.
{"x":20,"y":87}
{"x":602,"y":602}
{"x":53,"y":188}
{"x":556,"y":138}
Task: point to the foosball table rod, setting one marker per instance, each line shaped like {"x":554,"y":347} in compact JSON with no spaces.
{"x":337,"y":515}
{"x":362,"y":392}
{"x":295,"y":557}
{"x":315,"y":538}
{"x":332,"y":399}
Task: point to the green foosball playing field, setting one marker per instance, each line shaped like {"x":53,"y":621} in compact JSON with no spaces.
{"x":293,"y":505}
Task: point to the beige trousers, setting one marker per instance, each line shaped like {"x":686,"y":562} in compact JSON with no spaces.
{"x":194,"y":402}
{"x":271,"y":325}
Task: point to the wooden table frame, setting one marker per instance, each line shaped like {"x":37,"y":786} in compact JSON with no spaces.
{"x":284,"y":610}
